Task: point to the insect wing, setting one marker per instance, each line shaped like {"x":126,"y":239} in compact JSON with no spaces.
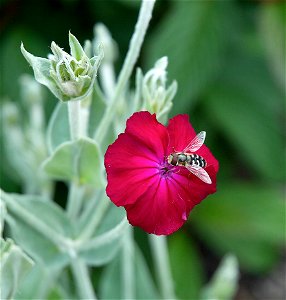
{"x":196,"y":143}
{"x":200,"y":173}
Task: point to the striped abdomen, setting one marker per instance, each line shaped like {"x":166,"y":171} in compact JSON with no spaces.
{"x":181,"y":159}
{"x":195,"y":159}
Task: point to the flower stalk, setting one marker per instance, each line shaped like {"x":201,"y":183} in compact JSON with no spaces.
{"x":128,"y":265}
{"x":95,"y":219}
{"x":103,"y":239}
{"x":163,"y":271}
{"x":74,"y":119}
{"x":82,"y":279}
{"x":75,"y":197}
{"x":130,"y":60}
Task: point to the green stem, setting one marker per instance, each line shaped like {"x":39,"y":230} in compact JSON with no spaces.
{"x":74,"y":119}
{"x":95,"y":219}
{"x":163,"y":272}
{"x":78,"y":117}
{"x":89,"y":207}
{"x":105,"y":238}
{"x":130,"y":60}
{"x":82,"y":279}
{"x":127,"y":265}
{"x":76,"y":193}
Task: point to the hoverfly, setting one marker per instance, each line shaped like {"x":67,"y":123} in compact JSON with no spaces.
{"x":193,"y":162}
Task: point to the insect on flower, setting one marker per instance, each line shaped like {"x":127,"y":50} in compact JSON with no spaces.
{"x":164,"y":179}
{"x":193,"y":162}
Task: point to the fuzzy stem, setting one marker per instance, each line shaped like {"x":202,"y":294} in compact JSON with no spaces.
{"x":79,"y":268}
{"x":128,"y":266}
{"x":105,"y":238}
{"x":82,"y":279}
{"x":130,"y":60}
{"x":163,"y":271}
{"x":74,"y":119}
{"x":76,"y":193}
{"x":95,"y":219}
{"x":77,"y":122}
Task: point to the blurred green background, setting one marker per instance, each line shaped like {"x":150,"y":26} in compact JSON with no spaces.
{"x":228,"y":58}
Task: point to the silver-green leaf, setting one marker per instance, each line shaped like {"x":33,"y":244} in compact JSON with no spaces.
{"x":40,"y":227}
{"x":15,"y":264}
{"x":79,"y":161}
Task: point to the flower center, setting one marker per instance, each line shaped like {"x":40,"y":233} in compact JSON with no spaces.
{"x":166,"y":169}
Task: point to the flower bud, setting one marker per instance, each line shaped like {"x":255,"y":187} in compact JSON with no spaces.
{"x":68,"y":76}
{"x":156,"y":96}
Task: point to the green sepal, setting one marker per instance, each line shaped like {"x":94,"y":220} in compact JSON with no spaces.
{"x":41,"y":67}
{"x":76,"y":49}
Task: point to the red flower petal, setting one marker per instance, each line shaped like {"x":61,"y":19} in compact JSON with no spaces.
{"x":161,"y":209}
{"x":180,"y":132}
{"x":197,"y":189}
{"x":129,"y":166}
{"x":144,"y":127}
{"x":131,"y":162}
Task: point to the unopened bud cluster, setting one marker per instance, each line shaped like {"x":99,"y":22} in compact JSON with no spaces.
{"x":156,"y":96}
{"x":68,"y":76}
{"x":72,"y":76}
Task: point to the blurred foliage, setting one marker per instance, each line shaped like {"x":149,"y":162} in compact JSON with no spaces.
{"x":229,"y":60}
{"x":244,"y":219}
{"x":223,"y":283}
{"x":182,"y":247}
{"x":112,"y":277}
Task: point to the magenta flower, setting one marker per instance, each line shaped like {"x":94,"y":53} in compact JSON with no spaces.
{"x":156,"y":193}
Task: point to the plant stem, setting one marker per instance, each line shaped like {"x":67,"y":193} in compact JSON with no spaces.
{"x":130,"y":60}
{"x":127,"y":265}
{"x":78,"y":117}
{"x":105,"y":238}
{"x":95,"y":219}
{"x":74,"y":119}
{"x":76,"y":193}
{"x":163,"y":271}
{"x":82,"y":279}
